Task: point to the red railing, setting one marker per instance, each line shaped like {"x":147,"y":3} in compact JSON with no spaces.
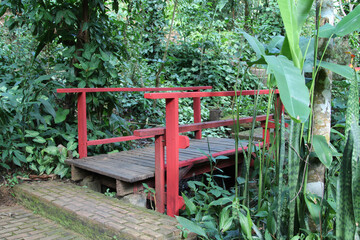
{"x":169,"y":136}
{"x":81,"y":107}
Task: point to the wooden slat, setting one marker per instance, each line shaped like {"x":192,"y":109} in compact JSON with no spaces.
{"x":138,"y":164}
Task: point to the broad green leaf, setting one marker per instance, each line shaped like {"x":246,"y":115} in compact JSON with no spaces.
{"x":52,"y":150}
{"x":72,"y":145}
{"x":245,"y":225}
{"x":225,"y":221}
{"x":29,"y":149}
{"x":221,"y":4}
{"x":349,"y":23}
{"x":191,"y":226}
{"x":326,"y":31}
{"x":59,"y":16}
{"x":262,"y":214}
{"x":104,"y":56}
{"x":322,"y":150}
{"x":314,"y":209}
{"x":19,"y":155}
{"x":275,"y":43}
{"x":291,"y":83}
{"x":31,"y":133}
{"x":342,"y":70}
{"x":61,"y":115}
{"x":4,"y":165}
{"x":16,"y":161}
{"x":303,"y":8}
{"x":257,"y":46}
{"x":189,"y":204}
{"x":39,"y":139}
{"x":221,"y":201}
{"x":345,"y":223}
{"x":290,"y":19}
{"x":48,"y":107}
{"x":43,"y":78}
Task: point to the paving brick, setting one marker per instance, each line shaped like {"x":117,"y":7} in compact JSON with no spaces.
{"x":26,"y":225}
{"x":95,"y":211}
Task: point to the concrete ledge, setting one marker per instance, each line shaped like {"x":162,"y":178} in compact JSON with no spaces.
{"x":93,"y":214}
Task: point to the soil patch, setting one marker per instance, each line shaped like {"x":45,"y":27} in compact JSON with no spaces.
{"x":6,"y":197}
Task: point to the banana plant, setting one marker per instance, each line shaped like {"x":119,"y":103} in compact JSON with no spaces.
{"x":287,"y":71}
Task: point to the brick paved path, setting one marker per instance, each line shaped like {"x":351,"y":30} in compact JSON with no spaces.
{"x":16,"y":222}
{"x":93,"y":214}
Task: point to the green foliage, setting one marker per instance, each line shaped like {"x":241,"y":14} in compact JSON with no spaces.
{"x":110,"y":194}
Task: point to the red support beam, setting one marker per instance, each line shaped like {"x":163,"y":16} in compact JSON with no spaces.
{"x":170,"y":95}
{"x":80,"y":90}
{"x":160,"y":173}
{"x":114,"y":140}
{"x":197,"y":126}
{"x":82,"y":125}
{"x":172,"y":156}
{"x":197,"y":114}
{"x":205,"y":158}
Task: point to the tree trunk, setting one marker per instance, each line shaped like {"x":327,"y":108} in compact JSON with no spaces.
{"x":246,"y":15}
{"x":322,"y":103}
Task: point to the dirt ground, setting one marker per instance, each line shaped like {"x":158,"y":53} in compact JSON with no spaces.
{"x":6,"y":198}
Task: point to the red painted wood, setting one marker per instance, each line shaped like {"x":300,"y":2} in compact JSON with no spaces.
{"x":79,"y":90}
{"x":114,"y":140}
{"x":184,"y":142}
{"x":205,"y":158}
{"x":206,"y":168}
{"x":172,"y":156}
{"x":82,"y":125}
{"x":197,"y":115}
{"x":170,"y":95}
{"x":197,"y":126}
{"x":149,"y":132}
{"x":160,"y":174}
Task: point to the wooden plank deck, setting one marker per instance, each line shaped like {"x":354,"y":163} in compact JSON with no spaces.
{"x":139,"y":164}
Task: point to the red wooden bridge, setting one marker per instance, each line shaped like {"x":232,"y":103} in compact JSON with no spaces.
{"x":173,"y":156}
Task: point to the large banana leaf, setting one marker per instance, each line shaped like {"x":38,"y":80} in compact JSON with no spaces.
{"x":288,"y":15}
{"x":257,"y":46}
{"x":302,"y":11}
{"x":342,"y":70}
{"x":291,"y":83}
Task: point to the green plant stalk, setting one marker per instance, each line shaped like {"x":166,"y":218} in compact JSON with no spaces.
{"x":281,"y":179}
{"x":236,"y":128}
{"x":277,"y":145}
{"x":248,"y":159}
{"x":262,"y":159}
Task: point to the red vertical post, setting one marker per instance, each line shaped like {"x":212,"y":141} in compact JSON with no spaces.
{"x":266,"y":134}
{"x":197,"y":114}
{"x":159,"y":174}
{"x":82,"y":127}
{"x":172,"y":156}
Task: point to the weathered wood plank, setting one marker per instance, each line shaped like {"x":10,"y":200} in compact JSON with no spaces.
{"x":139,"y":164}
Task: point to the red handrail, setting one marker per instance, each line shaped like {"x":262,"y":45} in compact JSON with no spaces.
{"x":81,"y":106}
{"x":174,"y":141}
{"x":173,"y":95}
{"x":159,"y":89}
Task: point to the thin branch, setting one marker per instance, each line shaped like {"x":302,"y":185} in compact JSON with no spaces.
{"x":157,"y":83}
{"x":341,"y":8}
